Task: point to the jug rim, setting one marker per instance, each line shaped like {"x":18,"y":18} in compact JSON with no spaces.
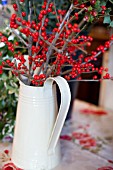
{"x":29,"y":86}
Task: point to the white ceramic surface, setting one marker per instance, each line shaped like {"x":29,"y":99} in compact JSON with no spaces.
{"x":38,"y":125}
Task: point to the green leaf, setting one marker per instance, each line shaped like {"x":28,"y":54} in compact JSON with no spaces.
{"x":107,"y":19}
{"x":111,"y":24}
{"x":11,"y":91}
{"x":91,"y":18}
{"x":97,"y":4}
{"x":108,"y":10}
{"x":8,"y":10}
{"x":103,"y":3}
{"x":90,"y":8}
{"x":4,"y":77}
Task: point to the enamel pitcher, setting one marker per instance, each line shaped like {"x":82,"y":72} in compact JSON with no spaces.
{"x":39,"y":124}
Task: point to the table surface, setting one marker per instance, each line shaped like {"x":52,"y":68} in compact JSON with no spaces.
{"x":86,"y":140}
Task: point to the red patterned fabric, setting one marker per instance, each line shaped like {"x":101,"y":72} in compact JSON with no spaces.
{"x":10,"y":166}
{"x":106,"y":168}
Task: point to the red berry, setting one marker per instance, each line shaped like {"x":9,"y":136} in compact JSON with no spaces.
{"x":6,"y":151}
{"x":14,"y":5}
{"x":23,"y":14}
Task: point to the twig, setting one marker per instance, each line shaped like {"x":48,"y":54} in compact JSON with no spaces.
{"x":21,"y":39}
{"x":73,"y":17}
{"x":86,"y":80}
{"x":84,"y":51}
{"x":70,"y":37}
{"x":77,"y":46}
{"x":81,"y":23}
{"x":4,"y":68}
{"x":56,"y":37}
{"x":83,"y":28}
{"x":20,"y":47}
{"x":30,"y":11}
{"x":30,"y":41}
{"x":42,"y":23}
{"x":47,"y":42}
{"x":40,"y":31}
{"x":49,"y":71}
{"x":19,"y":23}
{"x":34,"y":7}
{"x":66,"y":16}
{"x":111,"y":1}
{"x":19,"y":9}
{"x":5,"y":16}
{"x":66,"y":72}
{"x":97,"y":54}
{"x":39,"y":71}
{"x":56,"y":10}
{"x":11,"y":69}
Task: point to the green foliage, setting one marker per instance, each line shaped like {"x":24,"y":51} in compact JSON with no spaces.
{"x":97,"y":7}
{"x":8,"y":103}
{"x":111,"y":23}
{"x":8,"y":92}
{"x":107,"y":19}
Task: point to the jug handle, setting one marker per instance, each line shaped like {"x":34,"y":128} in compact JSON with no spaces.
{"x":64,"y":106}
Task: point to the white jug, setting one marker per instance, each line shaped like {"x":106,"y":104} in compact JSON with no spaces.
{"x":38,"y":125}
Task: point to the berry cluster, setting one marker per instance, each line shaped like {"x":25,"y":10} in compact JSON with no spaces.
{"x":51,"y":52}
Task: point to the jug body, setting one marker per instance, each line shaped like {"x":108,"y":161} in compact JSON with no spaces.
{"x":36,"y":114}
{"x":38,"y":125}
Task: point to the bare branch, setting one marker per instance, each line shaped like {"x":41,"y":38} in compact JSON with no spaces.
{"x":5,"y":16}
{"x":42,"y":23}
{"x":78,"y":47}
{"x":57,"y":36}
{"x":19,"y":9}
{"x":85,"y":80}
{"x":49,"y":70}
{"x":39,"y":71}
{"x":50,"y":44}
{"x":55,"y":10}
{"x":97,"y":54}
{"x":30,"y":41}
{"x":21,"y":39}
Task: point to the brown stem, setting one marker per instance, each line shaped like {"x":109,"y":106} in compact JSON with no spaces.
{"x":84,"y":51}
{"x":5,"y":16}
{"x":85,"y":80}
{"x":72,"y":18}
{"x":30,"y":41}
{"x":43,"y":22}
{"x":70,"y":37}
{"x":21,"y":39}
{"x":39,"y":71}
{"x":49,"y":70}
{"x":56,"y":37}
{"x":47,"y":42}
{"x":81,"y":23}
{"x":55,"y":10}
{"x":11,"y":69}
{"x":97,"y":54}
{"x":66,"y":72}
{"x":19,"y":9}
{"x":4,"y":68}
